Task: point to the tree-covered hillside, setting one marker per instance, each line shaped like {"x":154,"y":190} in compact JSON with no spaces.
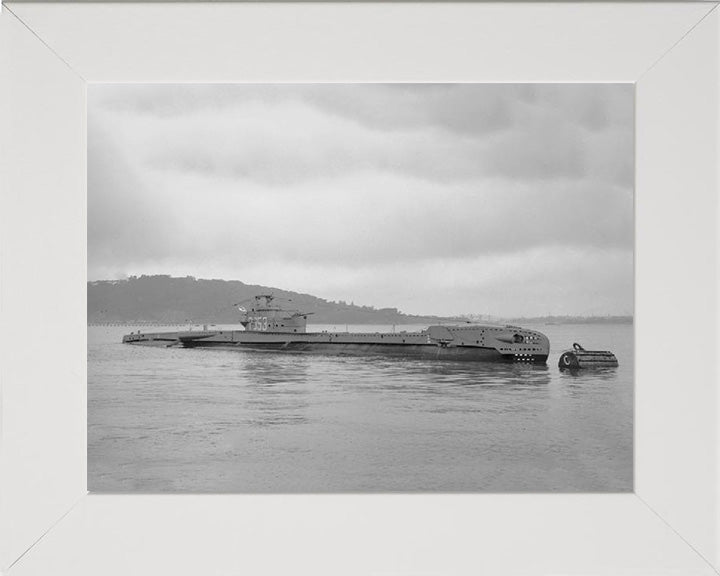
{"x":168,"y":300}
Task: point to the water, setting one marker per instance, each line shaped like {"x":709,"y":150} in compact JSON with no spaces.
{"x":177,"y":420}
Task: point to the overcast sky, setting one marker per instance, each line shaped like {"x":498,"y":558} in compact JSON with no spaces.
{"x":439,"y":198}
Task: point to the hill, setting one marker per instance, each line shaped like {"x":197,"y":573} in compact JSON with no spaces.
{"x":169,"y":300}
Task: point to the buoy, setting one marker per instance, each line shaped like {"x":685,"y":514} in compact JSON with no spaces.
{"x":578,"y":358}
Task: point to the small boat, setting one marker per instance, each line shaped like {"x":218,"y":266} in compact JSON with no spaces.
{"x":269,"y":326}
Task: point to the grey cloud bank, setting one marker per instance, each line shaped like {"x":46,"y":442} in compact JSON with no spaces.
{"x":438,"y":199}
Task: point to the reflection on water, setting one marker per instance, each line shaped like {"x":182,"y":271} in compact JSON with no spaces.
{"x":232,"y":421}
{"x":276,"y":394}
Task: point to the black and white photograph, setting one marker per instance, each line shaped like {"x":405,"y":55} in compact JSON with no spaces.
{"x":360,"y":288}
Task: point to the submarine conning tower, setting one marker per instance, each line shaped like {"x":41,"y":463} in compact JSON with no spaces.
{"x":264,"y":315}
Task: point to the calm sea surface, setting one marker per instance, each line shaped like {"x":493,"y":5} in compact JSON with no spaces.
{"x":177,"y":420}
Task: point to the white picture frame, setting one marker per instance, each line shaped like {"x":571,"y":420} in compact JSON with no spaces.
{"x":49,"y":524}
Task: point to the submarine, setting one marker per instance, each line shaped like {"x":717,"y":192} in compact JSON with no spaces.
{"x":269,"y":326}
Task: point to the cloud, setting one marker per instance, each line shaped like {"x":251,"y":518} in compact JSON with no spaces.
{"x":238,"y":180}
{"x":464,"y":108}
{"x":289,"y":141}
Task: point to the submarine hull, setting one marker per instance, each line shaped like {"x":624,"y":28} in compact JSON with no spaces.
{"x":471,"y":343}
{"x":400,"y":350}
